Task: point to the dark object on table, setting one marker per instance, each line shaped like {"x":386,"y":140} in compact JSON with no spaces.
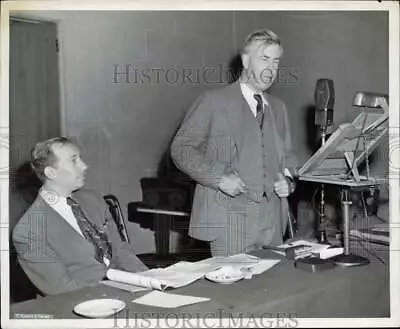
{"x":314,"y":264}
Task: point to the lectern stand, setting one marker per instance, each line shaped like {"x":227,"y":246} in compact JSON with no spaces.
{"x":347,"y":259}
{"x":347,"y":184}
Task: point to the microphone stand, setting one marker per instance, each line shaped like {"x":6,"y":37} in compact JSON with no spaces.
{"x":321,"y":232}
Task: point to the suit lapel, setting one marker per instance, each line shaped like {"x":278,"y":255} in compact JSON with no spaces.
{"x":59,"y":231}
{"x":91,"y":210}
{"x":55,"y":223}
{"x":238,"y":112}
{"x":272,"y":117}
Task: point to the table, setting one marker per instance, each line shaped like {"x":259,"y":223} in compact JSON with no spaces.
{"x":341,"y":292}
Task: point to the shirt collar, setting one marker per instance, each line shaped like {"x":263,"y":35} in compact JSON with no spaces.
{"x":248,"y":93}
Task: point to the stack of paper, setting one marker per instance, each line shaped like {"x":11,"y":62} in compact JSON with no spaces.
{"x":377,"y":234}
{"x":306,"y":248}
{"x":184,"y":273}
{"x":328,"y":253}
{"x":248,"y":264}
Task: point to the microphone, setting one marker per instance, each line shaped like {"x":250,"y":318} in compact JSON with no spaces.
{"x":324,"y":101}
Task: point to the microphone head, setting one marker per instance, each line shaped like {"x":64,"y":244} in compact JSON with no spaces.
{"x":324,"y":101}
{"x":324,"y":94}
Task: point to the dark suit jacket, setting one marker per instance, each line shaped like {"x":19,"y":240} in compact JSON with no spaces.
{"x":220,"y":134}
{"x":58,"y":259}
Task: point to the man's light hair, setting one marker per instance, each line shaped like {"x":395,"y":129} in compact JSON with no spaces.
{"x":43,"y":156}
{"x":263,"y":36}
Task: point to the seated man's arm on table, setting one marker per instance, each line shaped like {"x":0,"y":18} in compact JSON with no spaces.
{"x":43,"y":265}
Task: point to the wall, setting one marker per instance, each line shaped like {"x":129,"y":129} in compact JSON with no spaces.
{"x":350,"y":48}
{"x":125,"y":123}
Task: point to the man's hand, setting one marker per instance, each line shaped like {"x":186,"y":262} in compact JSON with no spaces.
{"x":231,"y":184}
{"x":281,"y":186}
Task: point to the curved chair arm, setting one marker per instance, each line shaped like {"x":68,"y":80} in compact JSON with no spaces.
{"x":116,"y":212}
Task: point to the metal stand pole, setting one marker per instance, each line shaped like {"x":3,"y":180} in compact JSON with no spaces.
{"x":321,"y":234}
{"x":348,"y":259}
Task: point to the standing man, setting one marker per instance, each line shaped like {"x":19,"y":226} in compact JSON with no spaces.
{"x":65,"y":240}
{"x":235,"y":143}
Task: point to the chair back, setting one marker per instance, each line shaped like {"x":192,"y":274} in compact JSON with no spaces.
{"x":116,"y":213}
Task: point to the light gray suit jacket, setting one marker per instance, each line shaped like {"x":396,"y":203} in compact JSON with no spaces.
{"x":58,"y":259}
{"x":220,"y":134}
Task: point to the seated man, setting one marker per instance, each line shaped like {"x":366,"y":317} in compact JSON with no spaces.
{"x":66,"y":240}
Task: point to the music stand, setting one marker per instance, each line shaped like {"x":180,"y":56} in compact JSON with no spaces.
{"x":337,"y":161}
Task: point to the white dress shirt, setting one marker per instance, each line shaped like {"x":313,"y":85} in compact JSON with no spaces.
{"x":248,"y":95}
{"x":59,"y":204}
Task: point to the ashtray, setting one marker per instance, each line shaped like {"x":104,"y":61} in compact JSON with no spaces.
{"x":225,"y":275}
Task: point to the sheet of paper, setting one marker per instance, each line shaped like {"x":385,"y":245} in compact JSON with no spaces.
{"x":172,"y":278}
{"x":192,"y":267}
{"x":328,"y":253}
{"x":248,"y":263}
{"x":234,"y":260}
{"x":302,"y":242}
{"x":167,"y":300}
{"x":123,"y":286}
{"x":263,"y":265}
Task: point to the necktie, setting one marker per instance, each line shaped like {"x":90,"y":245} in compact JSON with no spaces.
{"x":260,"y":110}
{"x":96,"y":236}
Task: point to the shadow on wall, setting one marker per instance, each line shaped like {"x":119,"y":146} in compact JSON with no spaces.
{"x":24,"y":187}
{"x":312,"y":131}
{"x":235,"y":68}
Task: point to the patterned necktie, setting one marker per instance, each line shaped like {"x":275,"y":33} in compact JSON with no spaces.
{"x":260,"y":110}
{"x":96,"y":236}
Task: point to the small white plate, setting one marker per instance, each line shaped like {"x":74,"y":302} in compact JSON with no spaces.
{"x":225,"y":275}
{"x":99,"y":308}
